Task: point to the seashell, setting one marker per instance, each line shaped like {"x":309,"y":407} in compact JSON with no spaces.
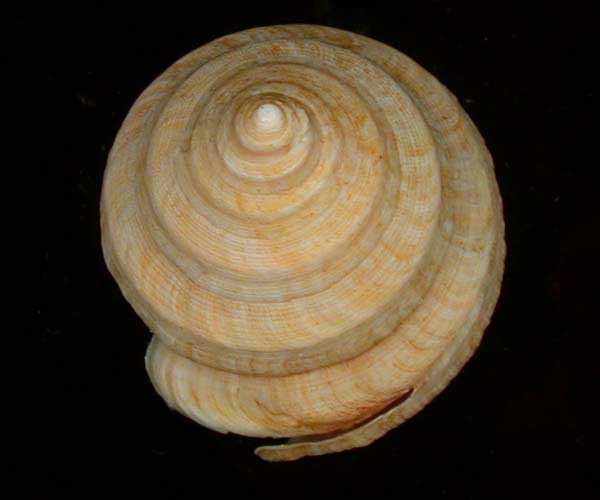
{"x":310,"y":226}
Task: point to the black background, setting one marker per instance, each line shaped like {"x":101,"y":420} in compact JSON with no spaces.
{"x":512,"y":424}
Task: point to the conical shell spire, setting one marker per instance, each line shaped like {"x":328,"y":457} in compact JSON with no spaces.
{"x":310,"y":226}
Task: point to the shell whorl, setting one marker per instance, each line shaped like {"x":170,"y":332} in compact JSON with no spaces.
{"x":309,"y":224}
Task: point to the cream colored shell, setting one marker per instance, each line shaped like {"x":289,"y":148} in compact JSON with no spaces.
{"x":309,"y":224}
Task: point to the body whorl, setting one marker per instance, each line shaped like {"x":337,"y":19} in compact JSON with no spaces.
{"x":309,"y":224}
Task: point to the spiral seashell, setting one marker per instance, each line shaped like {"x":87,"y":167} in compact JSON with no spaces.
{"x":309,"y":224}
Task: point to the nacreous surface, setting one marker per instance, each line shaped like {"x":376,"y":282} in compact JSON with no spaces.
{"x":268,"y":120}
{"x":309,"y":224}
